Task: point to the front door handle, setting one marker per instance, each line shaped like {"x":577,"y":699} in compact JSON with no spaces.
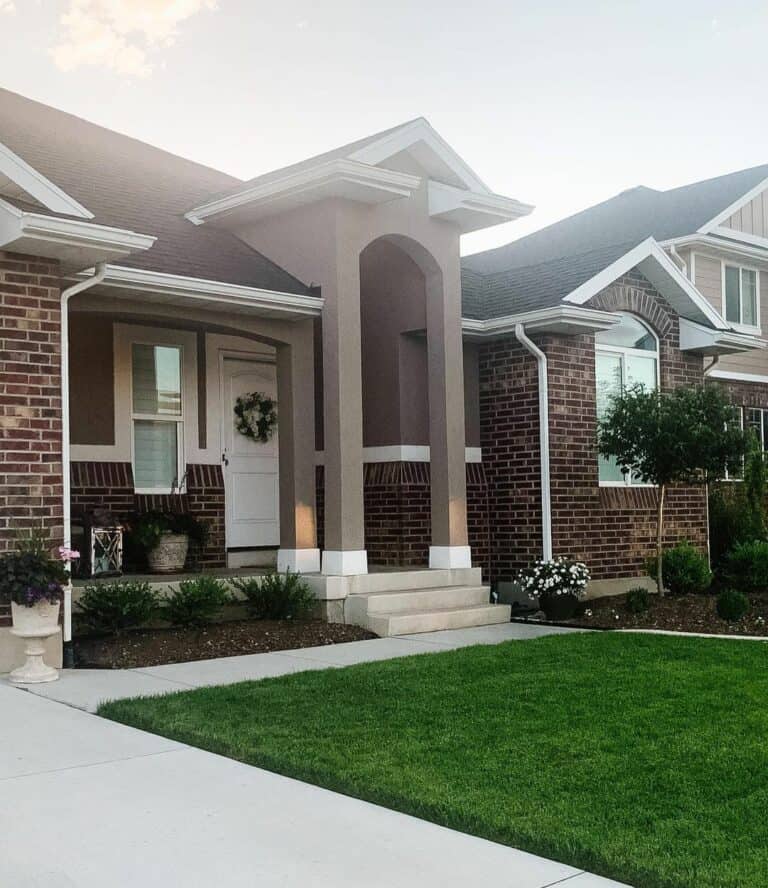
{"x":224,"y":458}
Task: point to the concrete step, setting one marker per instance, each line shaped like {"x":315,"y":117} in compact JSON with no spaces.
{"x":404,"y":580}
{"x":435,"y":619}
{"x":408,"y":600}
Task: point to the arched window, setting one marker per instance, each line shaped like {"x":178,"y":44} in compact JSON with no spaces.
{"x":626,"y":355}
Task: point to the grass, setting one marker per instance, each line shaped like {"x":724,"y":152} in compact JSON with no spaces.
{"x":642,"y":758}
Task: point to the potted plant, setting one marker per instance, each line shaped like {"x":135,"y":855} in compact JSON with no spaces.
{"x":34,"y":581}
{"x":558,"y":585}
{"x":161,"y":539}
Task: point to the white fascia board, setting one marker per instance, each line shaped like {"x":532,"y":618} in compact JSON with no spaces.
{"x":706,"y":341}
{"x":565,"y":319}
{"x":718,"y":220}
{"x":38,"y":187}
{"x":756,"y":378}
{"x":661,"y":271}
{"x":732,"y":234}
{"x":700,"y":242}
{"x":200,"y":290}
{"x":388,"y":183}
{"x":420,"y":131}
{"x":470,"y":210}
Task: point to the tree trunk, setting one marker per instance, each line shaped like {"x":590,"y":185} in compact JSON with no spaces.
{"x":659,"y":538}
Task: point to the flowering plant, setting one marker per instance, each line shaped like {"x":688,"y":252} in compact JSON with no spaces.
{"x":30,"y":575}
{"x":561,"y":576}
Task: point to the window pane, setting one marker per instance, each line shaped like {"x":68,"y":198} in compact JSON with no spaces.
{"x":641,"y":371}
{"x":732,"y":313}
{"x":754,"y":421}
{"x":155,"y":450}
{"x":628,"y":333}
{"x":748,"y":297}
{"x":157,"y":379}
{"x":608,"y":375}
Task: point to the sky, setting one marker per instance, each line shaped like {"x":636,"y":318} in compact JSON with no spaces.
{"x":559,"y":104}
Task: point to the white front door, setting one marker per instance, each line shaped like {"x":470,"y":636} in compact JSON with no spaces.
{"x":250,"y":467}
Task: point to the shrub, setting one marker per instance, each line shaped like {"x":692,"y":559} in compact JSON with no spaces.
{"x":117,"y":606}
{"x":196,"y":602}
{"x":685,"y":570}
{"x":638,"y":600}
{"x":277,"y":596}
{"x":746,"y":566}
{"x":732,"y":605}
{"x":30,"y":575}
{"x":561,"y":576}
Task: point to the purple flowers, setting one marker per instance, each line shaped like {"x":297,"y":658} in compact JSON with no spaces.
{"x":51,"y":592}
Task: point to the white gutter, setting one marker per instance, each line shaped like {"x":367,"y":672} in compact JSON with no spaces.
{"x":546,"y":497}
{"x":679,"y":258}
{"x":66,"y":295}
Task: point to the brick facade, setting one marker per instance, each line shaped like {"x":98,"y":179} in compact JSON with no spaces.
{"x":611,"y":528}
{"x":30,"y":400}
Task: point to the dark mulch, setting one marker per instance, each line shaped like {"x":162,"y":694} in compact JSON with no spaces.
{"x":154,"y":647}
{"x":688,"y":613}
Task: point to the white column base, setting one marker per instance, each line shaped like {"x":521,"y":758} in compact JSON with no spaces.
{"x":345,"y":564}
{"x":298,"y":560}
{"x":450,"y":556}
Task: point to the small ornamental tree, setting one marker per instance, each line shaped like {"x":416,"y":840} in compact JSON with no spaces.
{"x":690,"y":435}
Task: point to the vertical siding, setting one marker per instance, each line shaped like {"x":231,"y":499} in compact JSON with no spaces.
{"x":751,"y":218}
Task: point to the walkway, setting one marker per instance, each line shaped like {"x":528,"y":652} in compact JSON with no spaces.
{"x":86,"y":802}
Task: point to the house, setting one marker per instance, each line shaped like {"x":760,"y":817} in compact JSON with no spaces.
{"x":432,"y":412}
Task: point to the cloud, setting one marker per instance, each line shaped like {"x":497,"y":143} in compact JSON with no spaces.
{"x":120,"y":35}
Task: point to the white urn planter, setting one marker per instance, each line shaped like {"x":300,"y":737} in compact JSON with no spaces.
{"x":35,"y":624}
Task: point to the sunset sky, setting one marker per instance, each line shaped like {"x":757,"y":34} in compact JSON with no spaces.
{"x":559,"y":104}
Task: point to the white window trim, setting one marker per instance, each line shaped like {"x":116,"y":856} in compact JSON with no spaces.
{"x":638,"y":352}
{"x":726,"y":476}
{"x":742,"y":328}
{"x":179,"y":420}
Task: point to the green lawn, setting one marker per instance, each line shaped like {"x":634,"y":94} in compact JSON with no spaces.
{"x":643,"y":758}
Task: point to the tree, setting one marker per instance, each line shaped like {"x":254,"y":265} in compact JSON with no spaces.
{"x":690,"y":435}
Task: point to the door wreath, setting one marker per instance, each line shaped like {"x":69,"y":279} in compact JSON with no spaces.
{"x":256,"y":416}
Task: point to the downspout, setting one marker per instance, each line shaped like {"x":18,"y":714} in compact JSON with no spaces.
{"x":707,"y":370}
{"x":546,"y":498}
{"x":66,"y":295}
{"x":679,"y":258}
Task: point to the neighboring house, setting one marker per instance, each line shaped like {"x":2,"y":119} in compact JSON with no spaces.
{"x":141,"y":294}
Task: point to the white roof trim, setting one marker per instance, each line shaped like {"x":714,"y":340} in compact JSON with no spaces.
{"x":649,"y":253}
{"x":707,"y":241}
{"x":733,"y":208}
{"x":706,"y":341}
{"x":38,"y":187}
{"x":742,"y":236}
{"x":206,"y":291}
{"x":472,"y":211}
{"x":558,"y":318}
{"x":388,"y":183}
{"x":738,"y":377}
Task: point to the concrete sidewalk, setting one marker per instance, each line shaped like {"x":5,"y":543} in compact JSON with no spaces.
{"x":86,"y":688}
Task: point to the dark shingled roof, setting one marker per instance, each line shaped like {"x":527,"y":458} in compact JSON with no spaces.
{"x":129,"y":184}
{"x":537,"y":271}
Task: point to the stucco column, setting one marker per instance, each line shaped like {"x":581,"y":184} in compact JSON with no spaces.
{"x":296,"y":417}
{"x":446,"y":420}
{"x":344,"y":552}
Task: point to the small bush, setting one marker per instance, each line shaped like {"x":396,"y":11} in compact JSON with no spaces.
{"x":277,"y":596}
{"x":638,"y":600}
{"x":685,"y":569}
{"x":732,"y":605}
{"x":196,"y":602}
{"x":115,"y":607}
{"x":746,"y":566}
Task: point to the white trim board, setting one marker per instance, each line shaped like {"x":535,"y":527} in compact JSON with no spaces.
{"x":721,"y":217}
{"x":738,"y":377}
{"x":403,"y":453}
{"x":35,"y":184}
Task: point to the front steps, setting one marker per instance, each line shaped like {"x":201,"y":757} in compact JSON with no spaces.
{"x":404,"y":602}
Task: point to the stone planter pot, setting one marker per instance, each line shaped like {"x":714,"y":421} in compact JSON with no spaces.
{"x":35,"y":624}
{"x":558,"y":607}
{"x":170,"y":553}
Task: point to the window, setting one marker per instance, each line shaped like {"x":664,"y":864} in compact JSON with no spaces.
{"x":741,"y":422}
{"x":157,"y":416}
{"x":740,"y":286}
{"x":626,"y":355}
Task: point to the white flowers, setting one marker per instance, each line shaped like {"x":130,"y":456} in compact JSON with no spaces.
{"x":560,"y":576}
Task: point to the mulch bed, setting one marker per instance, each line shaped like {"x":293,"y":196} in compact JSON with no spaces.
{"x":688,"y":613}
{"x":155,"y":647}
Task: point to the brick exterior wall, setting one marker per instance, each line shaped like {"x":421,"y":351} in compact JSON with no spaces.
{"x":110,"y":485}
{"x":30,"y":400}
{"x":611,"y":528}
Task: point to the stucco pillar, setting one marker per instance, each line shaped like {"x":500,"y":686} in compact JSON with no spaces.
{"x":344,"y":552}
{"x":446,"y":420}
{"x":296,"y":417}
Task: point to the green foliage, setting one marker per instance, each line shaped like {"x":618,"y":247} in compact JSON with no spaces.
{"x":746,"y":566}
{"x":638,"y":600}
{"x":685,"y":570}
{"x":117,"y":606}
{"x":30,"y":574}
{"x":196,"y":602}
{"x":277,"y":596}
{"x":143,"y":532}
{"x":732,"y":605}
